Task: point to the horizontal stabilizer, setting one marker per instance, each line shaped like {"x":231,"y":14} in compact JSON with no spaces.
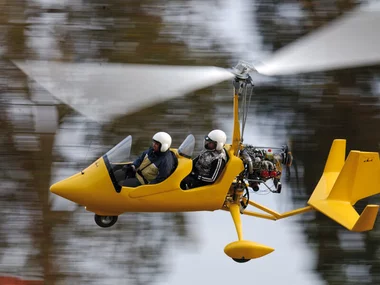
{"x":344,"y":183}
{"x":343,"y":213}
{"x":367,"y":219}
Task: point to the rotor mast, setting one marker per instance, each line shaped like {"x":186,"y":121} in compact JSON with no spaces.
{"x":242,"y":78}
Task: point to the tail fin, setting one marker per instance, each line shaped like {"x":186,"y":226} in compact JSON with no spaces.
{"x":343,"y":183}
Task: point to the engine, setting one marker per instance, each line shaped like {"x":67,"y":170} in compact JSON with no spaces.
{"x":262,"y":164}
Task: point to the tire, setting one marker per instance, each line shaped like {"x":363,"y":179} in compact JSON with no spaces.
{"x":240,"y":260}
{"x":105,"y":221}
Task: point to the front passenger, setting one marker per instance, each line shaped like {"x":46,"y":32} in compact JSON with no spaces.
{"x":154,"y":165}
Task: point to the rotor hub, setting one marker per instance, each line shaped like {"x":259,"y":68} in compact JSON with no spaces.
{"x":242,"y":69}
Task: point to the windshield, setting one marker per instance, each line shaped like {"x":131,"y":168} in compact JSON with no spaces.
{"x":120,"y":152}
{"x":186,"y":149}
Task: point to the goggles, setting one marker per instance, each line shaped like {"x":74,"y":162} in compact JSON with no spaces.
{"x":207,"y":139}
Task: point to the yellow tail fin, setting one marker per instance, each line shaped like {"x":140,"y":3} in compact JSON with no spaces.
{"x":343,"y":183}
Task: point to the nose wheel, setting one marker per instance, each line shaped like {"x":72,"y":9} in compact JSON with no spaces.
{"x":105,"y":221}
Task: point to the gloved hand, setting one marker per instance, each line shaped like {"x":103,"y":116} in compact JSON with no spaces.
{"x":129,"y":170}
{"x":129,"y":167}
{"x":194,"y":172}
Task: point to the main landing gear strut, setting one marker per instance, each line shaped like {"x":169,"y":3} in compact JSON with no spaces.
{"x":236,"y":203}
{"x":243,"y":250}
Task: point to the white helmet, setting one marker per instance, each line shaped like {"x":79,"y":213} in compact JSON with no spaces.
{"x":164,"y":139}
{"x":217,"y":136}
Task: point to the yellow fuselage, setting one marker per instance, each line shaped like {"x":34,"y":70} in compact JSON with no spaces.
{"x":93,"y":188}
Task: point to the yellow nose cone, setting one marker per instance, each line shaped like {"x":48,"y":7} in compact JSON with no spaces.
{"x":91,"y":188}
{"x":71,"y":188}
{"x":244,"y":250}
{"x":58,"y":188}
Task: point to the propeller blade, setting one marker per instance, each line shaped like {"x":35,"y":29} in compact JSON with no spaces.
{"x":103,"y":91}
{"x":350,"y":41}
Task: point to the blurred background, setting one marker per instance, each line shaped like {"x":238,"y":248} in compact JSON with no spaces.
{"x":43,"y":140}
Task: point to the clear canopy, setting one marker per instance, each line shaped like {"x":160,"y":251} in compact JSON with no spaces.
{"x":120,"y":152}
{"x":187,"y":147}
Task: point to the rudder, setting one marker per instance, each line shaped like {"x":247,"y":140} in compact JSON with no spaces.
{"x":359,"y":178}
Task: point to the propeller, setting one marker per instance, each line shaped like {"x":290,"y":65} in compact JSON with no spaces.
{"x":103,"y":91}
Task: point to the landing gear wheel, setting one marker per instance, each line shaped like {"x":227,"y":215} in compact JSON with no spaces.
{"x":105,"y":221}
{"x":240,"y":260}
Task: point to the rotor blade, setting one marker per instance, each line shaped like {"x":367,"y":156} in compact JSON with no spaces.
{"x":350,"y":41}
{"x":103,"y":91}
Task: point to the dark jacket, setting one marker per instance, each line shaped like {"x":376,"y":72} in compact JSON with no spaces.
{"x":164,"y":161}
{"x":208,"y":165}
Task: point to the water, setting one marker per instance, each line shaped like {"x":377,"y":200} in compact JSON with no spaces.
{"x":42,"y":142}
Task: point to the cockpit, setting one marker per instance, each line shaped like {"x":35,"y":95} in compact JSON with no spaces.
{"x":120,"y":155}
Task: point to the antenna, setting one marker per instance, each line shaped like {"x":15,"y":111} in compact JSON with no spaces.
{"x":85,"y":158}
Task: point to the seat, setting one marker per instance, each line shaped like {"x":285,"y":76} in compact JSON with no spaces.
{"x":227,"y":156}
{"x":175,"y":159}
